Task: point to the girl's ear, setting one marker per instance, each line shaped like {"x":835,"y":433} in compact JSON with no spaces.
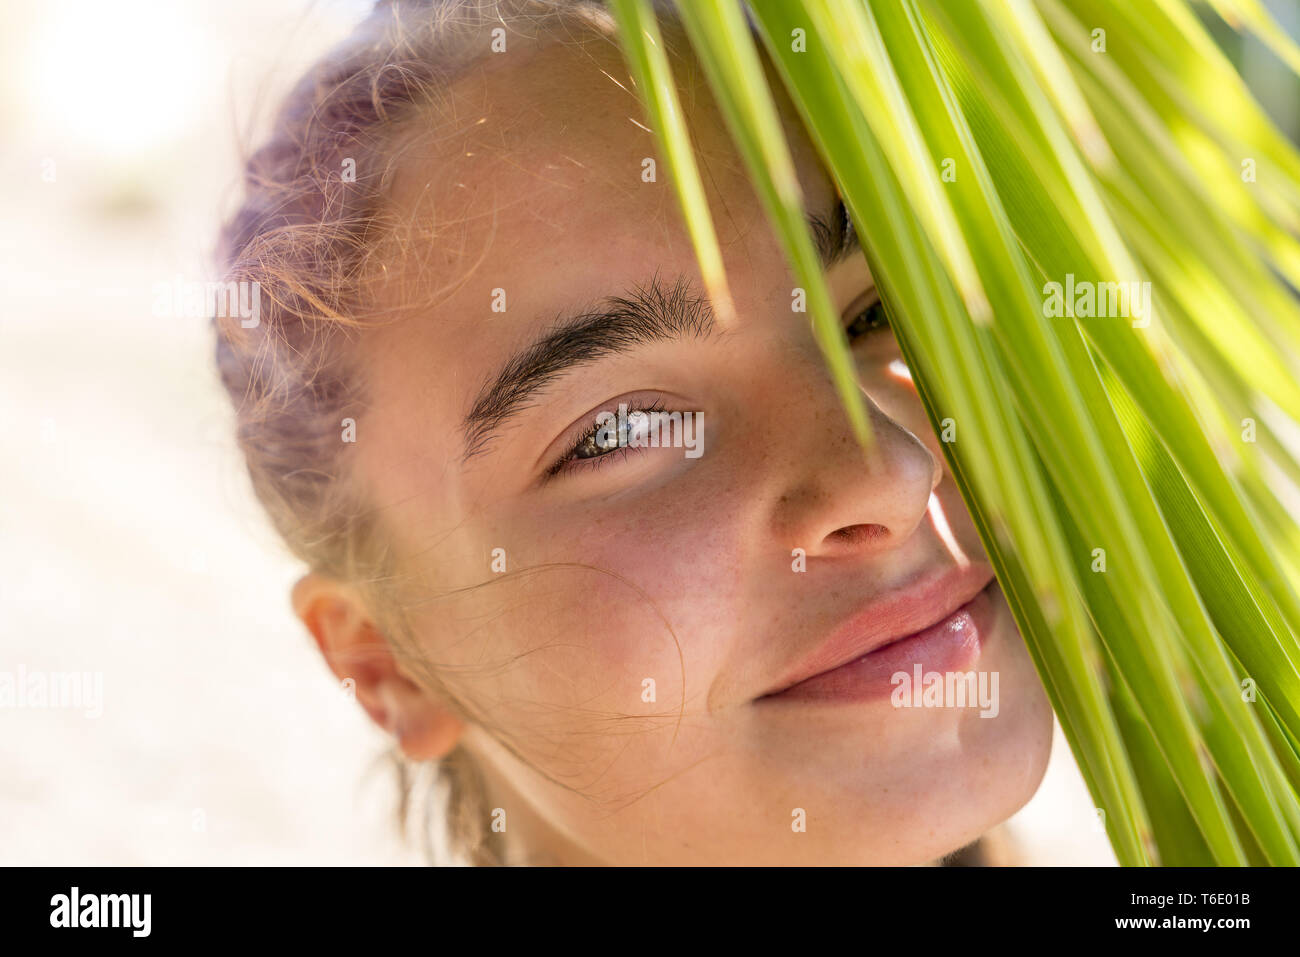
{"x":355,"y":650}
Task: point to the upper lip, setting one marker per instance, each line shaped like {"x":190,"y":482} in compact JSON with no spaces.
{"x":890,"y":616}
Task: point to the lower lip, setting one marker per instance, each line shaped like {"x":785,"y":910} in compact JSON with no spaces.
{"x":951,"y":645}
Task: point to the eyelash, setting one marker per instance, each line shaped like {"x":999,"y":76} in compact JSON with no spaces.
{"x":570,"y":461}
{"x":880,"y":322}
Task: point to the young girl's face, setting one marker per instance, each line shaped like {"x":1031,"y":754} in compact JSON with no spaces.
{"x":619,"y":671}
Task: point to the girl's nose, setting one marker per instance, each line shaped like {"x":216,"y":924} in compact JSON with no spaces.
{"x":837,"y":500}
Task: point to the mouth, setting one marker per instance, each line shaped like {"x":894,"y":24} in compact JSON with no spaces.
{"x":938,"y":623}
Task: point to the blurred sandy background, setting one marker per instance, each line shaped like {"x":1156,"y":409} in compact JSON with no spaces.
{"x":130,"y":544}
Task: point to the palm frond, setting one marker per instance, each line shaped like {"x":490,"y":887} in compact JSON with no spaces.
{"x":999,"y":147}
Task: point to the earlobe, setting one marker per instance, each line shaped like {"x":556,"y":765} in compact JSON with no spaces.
{"x":425,"y":730}
{"x":354,"y":648}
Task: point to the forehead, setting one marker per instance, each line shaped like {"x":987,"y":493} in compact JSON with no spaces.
{"x":538,"y":159}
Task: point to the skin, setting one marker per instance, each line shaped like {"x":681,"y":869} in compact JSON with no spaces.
{"x":651,"y":565}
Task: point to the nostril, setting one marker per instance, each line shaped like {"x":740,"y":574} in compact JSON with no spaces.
{"x":853,"y":535}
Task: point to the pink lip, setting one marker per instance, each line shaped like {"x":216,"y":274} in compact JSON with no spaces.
{"x":937,"y":622}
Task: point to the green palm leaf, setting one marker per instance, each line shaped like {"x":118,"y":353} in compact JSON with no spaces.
{"x":1176,"y":671}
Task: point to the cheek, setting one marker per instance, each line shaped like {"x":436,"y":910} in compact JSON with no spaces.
{"x":897,"y":398}
{"x":885,"y":379}
{"x":594,"y":649}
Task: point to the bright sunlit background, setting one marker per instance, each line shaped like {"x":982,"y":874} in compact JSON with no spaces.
{"x":130,"y":544}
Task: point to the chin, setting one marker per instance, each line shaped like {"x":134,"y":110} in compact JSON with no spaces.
{"x":966,"y":797}
{"x":938,"y":779}
{"x":990,"y":768}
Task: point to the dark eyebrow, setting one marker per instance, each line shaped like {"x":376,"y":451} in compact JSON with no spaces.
{"x":835,"y":236}
{"x":649,"y":313}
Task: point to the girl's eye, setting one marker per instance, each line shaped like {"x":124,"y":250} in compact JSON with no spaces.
{"x":868,"y":320}
{"x":610,"y":434}
{"x":604,"y":439}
